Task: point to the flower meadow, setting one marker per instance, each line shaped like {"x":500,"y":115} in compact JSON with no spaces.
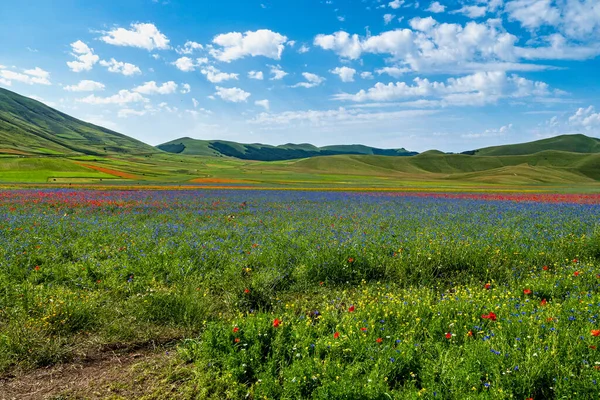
{"x":293,"y":294}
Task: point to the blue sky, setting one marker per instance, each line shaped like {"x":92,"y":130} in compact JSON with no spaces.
{"x":450,"y":75}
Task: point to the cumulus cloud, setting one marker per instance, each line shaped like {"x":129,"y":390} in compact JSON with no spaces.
{"x":556,"y":47}
{"x":366,"y":75}
{"x":123,"y":97}
{"x":303,"y":49}
{"x":120,"y":67}
{"x":387,"y":18}
{"x":29,"y":76}
{"x":489,"y":133}
{"x":85,"y":57}
{"x":151,"y":87}
{"x":185,"y":88}
{"x":232,"y":95}
{"x":256,"y":75}
{"x":471,"y":11}
{"x":393,"y":71}
{"x":213,"y":75}
{"x":436,"y":7}
{"x":586,"y":118}
{"x":346,"y":74}
{"x":185,"y":64}
{"x":395,"y":4}
{"x":189,"y":48}
{"x":85,"y":86}
{"x":476,"y":89}
{"x":312,"y":80}
{"x":277,"y":73}
{"x":144,"y":36}
{"x":235,"y":45}
{"x":263,"y":103}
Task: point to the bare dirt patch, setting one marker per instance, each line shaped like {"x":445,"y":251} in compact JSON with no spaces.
{"x":113,"y":373}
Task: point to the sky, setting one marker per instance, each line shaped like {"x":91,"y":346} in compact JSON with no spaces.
{"x":447,"y":75}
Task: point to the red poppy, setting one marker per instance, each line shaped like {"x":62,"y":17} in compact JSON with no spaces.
{"x":491,"y":316}
{"x":595,"y":332}
{"x":336,"y":335}
{"x":351,"y":260}
{"x":575,"y":260}
{"x":237,"y":340}
{"x":37,"y":268}
{"x":576,"y":273}
{"x":470,"y":333}
{"x":246,"y":290}
{"x":351,"y":308}
{"x":593,"y":347}
{"x":527,"y":291}
{"x":487,"y":286}
{"x":236,"y":329}
{"x":276,"y":323}
{"x":363,"y":329}
{"x":543,"y":302}
{"x":379,"y":340}
{"x":448,"y":335}
{"x":545,"y":268}
{"x":321,"y":283}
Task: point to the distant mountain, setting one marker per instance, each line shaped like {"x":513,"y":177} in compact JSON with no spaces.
{"x":571,"y":143}
{"x":264,"y":152}
{"x":30,"y":127}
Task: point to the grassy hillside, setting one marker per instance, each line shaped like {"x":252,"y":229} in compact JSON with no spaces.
{"x":263,"y":152}
{"x":571,"y":143}
{"x":30,"y":127}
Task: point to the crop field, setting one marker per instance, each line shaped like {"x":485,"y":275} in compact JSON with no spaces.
{"x":311,"y":294}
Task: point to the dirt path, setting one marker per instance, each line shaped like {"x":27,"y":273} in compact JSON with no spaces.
{"x":111,"y":374}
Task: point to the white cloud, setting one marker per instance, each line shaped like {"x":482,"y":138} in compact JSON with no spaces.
{"x":395,"y":4}
{"x":213,"y":75}
{"x":585,"y":117}
{"x":436,"y":7}
{"x":387,"y":18}
{"x":120,"y":67}
{"x":476,"y":89}
{"x":151,"y":87}
{"x":85,"y":86}
{"x":489,"y":133}
{"x":393,"y":71}
{"x":533,"y":13}
{"x":185,"y":88}
{"x":233,"y":95}
{"x":366,"y":75}
{"x":346,"y":74}
{"x":312,"y":80}
{"x":189,"y":47}
{"x":185,"y":64}
{"x":422,"y":24}
{"x":144,"y":36}
{"x":471,"y":11}
{"x":277,"y":73}
{"x":30,"y":77}
{"x":85,"y":57}
{"x":235,"y":45}
{"x":263,"y":103}
{"x":123,"y":97}
{"x":303,"y":49}
{"x":195,"y":103}
{"x":341,"y":43}
{"x":127,"y":112}
{"x":256,"y":75}
{"x":335,"y":117}
{"x":559,"y":48}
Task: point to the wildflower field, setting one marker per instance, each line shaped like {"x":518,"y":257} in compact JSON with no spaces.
{"x":323,"y":295}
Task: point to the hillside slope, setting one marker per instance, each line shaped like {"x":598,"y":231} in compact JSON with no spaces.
{"x":263,"y":152}
{"x":571,"y":143}
{"x":30,"y":127}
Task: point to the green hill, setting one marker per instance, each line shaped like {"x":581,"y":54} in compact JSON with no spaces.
{"x":263,"y":152}
{"x":30,"y":127}
{"x":572,"y":143}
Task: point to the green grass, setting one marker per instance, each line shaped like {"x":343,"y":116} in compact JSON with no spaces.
{"x":571,"y":143}
{"x":376,"y":298}
{"x":31,"y":127}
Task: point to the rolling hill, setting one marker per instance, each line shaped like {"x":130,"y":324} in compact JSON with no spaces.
{"x":572,"y":143}
{"x":263,"y":152}
{"x":30,"y":127}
